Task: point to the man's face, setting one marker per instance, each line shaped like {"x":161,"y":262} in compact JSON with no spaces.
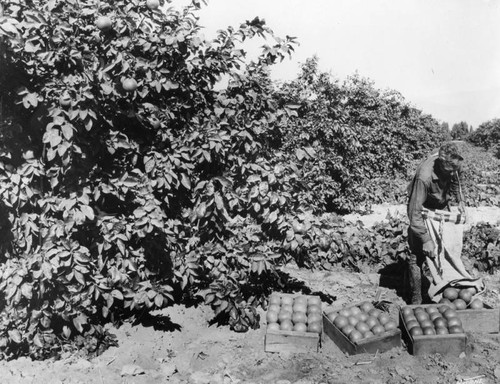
{"x":447,"y":164}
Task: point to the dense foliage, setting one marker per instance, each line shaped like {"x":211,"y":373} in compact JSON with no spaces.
{"x":460,"y":130}
{"x":481,"y":176}
{"x":132,"y":177}
{"x":364,"y":139}
{"x":482,"y":245}
{"x":487,"y":135}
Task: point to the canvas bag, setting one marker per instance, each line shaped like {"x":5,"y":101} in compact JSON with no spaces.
{"x":447,"y":269}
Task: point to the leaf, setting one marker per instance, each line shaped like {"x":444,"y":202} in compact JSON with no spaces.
{"x":37,"y":341}
{"x":8,"y":27}
{"x":78,"y":325}
{"x":67,"y":131}
{"x":150,"y":165}
{"x":263,"y":188}
{"x":158,"y":301}
{"x":26,"y":291}
{"x":30,"y":47}
{"x":15,"y":336}
{"x":139,"y":212}
{"x":185,"y":181}
{"x":218,"y":202}
{"x":273,"y":216}
{"x":66,"y":331}
{"x":256,"y":207}
{"x":300,"y":154}
{"x":79,"y":277}
{"x":117,"y":294}
{"x":87,"y":211}
{"x":310,"y":152}
{"x":223,"y":305}
{"x":254,"y":192}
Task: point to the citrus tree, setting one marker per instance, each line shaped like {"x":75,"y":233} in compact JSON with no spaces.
{"x":357,"y":138}
{"x":487,"y":135}
{"x":127,"y":171}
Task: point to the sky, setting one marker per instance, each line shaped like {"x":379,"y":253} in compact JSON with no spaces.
{"x":443,"y":56}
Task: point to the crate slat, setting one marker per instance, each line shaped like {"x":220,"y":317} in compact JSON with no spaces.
{"x":292,"y":341}
{"x":485,"y":320}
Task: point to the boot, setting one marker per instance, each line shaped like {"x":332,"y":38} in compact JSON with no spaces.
{"x":415,"y":280}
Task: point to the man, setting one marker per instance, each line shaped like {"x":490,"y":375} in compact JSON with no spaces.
{"x":436,"y":181}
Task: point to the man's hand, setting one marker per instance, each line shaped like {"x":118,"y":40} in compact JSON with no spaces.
{"x":429,"y":249}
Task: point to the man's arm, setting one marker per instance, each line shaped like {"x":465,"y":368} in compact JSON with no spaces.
{"x":456,"y":189}
{"x":415,"y":206}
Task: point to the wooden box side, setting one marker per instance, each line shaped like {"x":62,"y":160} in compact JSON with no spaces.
{"x":446,"y":345}
{"x":380,"y":343}
{"x":486,"y":320}
{"x":291,"y":341}
{"x":338,"y":337}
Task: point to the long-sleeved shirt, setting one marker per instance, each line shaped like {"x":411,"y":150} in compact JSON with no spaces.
{"x":429,"y":190}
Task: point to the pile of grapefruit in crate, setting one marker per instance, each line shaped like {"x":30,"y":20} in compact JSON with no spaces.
{"x":294,"y":313}
{"x":361,"y":321}
{"x":432,"y":320}
{"x":461,"y":298}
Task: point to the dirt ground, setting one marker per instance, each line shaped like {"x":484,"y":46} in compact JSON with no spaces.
{"x":180,"y":347}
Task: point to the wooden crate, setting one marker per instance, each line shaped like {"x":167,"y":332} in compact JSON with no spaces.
{"x":446,"y":345}
{"x":292,"y":341}
{"x":485,"y":320}
{"x":379,"y":343}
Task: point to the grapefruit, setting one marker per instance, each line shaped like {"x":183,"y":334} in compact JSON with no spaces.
{"x":153,"y":4}
{"x":300,"y":327}
{"x":332,"y":316}
{"x":273,"y":327}
{"x":65,"y":100}
{"x":103,"y":23}
{"x":465,"y":295}
{"x":417,"y":331}
{"x":341,"y":321}
{"x":460,"y":304}
{"x":476,"y":304}
{"x":286,"y":325}
{"x":450,"y":293}
{"x":129,"y":85}
{"x":314,"y":327}
{"x":441,"y":331}
{"x":355,"y":336}
{"x":272,"y":317}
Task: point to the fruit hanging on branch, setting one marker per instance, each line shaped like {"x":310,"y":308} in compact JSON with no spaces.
{"x":65,"y":100}
{"x":104,"y":23}
{"x":153,"y":4}
{"x":129,"y":85}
